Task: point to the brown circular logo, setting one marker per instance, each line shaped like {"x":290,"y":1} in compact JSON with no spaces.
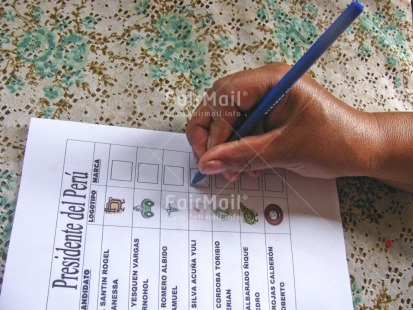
{"x":273,"y":214}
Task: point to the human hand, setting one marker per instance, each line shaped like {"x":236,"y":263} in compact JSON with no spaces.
{"x":309,"y":132}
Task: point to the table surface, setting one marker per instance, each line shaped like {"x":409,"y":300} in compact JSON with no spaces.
{"x":146,"y":64}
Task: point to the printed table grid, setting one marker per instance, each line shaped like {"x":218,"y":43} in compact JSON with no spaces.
{"x":132,"y":187}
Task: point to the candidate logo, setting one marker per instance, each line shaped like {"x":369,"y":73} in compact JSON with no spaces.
{"x":145,"y":208}
{"x":115,"y":205}
{"x":273,"y":214}
{"x":249,"y":215}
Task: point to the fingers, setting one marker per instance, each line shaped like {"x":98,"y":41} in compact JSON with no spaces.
{"x":214,"y":119}
{"x":249,"y":155}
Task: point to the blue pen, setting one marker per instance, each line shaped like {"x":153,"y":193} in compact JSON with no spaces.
{"x":271,"y":99}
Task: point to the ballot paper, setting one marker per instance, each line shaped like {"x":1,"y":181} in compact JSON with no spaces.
{"x":107,"y":218}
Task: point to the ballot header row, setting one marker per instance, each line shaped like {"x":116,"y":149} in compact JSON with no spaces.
{"x":169,"y":170}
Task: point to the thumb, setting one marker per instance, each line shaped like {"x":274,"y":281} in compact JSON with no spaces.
{"x":248,"y":154}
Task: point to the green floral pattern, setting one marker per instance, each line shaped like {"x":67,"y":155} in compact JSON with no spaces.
{"x":147,"y":63}
{"x":7,"y":205}
{"x":57,"y":56}
{"x":173,"y":41}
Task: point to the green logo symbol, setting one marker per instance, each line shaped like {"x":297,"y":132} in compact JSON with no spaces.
{"x":145,"y":208}
{"x":250,"y":216}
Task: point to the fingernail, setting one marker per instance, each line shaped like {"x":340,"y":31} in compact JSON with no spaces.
{"x":213,"y":167}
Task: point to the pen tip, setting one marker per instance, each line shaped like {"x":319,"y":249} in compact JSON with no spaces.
{"x":198,"y":177}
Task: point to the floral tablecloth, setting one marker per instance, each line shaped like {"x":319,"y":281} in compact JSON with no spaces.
{"x":146,"y":64}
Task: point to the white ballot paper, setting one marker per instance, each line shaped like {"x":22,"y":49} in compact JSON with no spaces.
{"x":107,"y":218}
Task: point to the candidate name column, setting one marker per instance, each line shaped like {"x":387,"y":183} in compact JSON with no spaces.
{"x":280,"y":265}
{"x":173,"y":247}
{"x":69,"y":244}
{"x":117,"y":229}
{"x":146,"y":218}
{"x":226,"y":245}
{"x":201,"y":279}
{"x":253,"y":255}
